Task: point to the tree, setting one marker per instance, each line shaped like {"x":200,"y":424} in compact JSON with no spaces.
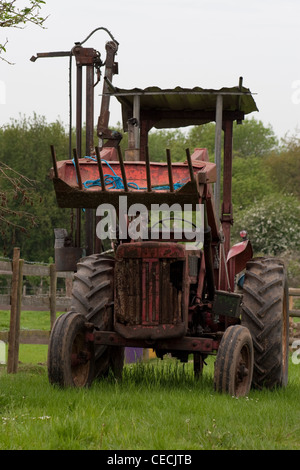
{"x":284,"y":166}
{"x":172,"y":139}
{"x":251,"y":181}
{"x":14,"y":16}
{"x":25,"y":145}
{"x":203,"y":137}
{"x":15,"y":190}
{"x":14,"y":185}
{"x":253,"y":138}
{"x":273,"y":225}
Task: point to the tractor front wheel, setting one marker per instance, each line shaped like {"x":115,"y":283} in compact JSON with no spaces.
{"x":70,"y":353}
{"x":234,"y":362}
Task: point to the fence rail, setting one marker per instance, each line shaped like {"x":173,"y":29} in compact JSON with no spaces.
{"x":40,"y":302}
{"x":17,"y":301}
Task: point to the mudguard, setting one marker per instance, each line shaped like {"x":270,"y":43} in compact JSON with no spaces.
{"x":238,"y":256}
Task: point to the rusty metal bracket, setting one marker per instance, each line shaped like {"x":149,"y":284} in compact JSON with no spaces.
{"x":186,"y":343}
{"x":86,"y":56}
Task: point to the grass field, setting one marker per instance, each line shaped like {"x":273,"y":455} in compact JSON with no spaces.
{"x":157,"y":406}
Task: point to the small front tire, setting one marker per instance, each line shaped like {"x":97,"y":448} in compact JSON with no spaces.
{"x":70,"y":353}
{"x":234,"y":362}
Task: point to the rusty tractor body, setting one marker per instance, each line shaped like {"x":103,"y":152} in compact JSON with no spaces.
{"x":154,"y":291}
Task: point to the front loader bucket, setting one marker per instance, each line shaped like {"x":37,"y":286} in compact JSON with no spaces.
{"x":90,"y":181}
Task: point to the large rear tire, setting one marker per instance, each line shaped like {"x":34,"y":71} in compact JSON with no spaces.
{"x":265,"y":314}
{"x":93,"y":297}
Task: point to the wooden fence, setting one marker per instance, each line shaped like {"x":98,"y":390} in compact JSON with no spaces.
{"x":17,"y":301}
{"x":294,"y":313}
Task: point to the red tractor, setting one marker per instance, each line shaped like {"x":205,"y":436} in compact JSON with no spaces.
{"x":150,"y":288}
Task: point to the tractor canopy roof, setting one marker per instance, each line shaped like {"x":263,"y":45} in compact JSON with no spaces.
{"x":180,"y":107}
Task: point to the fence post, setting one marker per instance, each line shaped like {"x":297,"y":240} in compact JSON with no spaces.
{"x":291,"y":302}
{"x":69,"y":285}
{"x":53,"y":284}
{"x":15,"y":313}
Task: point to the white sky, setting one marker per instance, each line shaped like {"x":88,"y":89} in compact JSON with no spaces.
{"x":167,"y":43}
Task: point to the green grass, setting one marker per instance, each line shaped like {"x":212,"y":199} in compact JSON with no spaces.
{"x":154,"y":408}
{"x":35,"y":354}
{"x":157,"y":406}
{"x":29,"y":320}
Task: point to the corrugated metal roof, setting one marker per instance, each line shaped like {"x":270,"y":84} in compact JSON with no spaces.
{"x":184,"y":100}
{"x":189,"y":98}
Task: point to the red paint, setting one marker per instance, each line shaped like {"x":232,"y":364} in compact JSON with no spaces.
{"x":135,"y":171}
{"x":238,"y":256}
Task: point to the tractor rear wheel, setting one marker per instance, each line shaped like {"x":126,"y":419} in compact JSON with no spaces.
{"x":70,"y":353}
{"x":93,"y":297}
{"x":234,"y":362}
{"x":265,"y":314}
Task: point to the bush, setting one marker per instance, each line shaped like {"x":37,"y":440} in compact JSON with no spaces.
{"x":273,"y":225}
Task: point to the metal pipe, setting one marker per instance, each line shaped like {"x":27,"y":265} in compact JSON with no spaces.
{"x":79,"y":110}
{"x":90,"y":234}
{"x":218,"y":143}
{"x":100,"y":168}
{"x":78,"y":141}
{"x":189,"y":160}
{"x":169,"y":161}
{"x":41,"y":55}
{"x":122,"y":169}
{"x":136,"y":115}
{"x":103,"y":121}
{"x":148,"y":171}
{"x":77,"y":169}
{"x":208,"y":256}
{"x":89,"y":109}
{"x":54,"y":161}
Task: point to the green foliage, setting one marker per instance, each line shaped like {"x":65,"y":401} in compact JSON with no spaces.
{"x":159,"y":141}
{"x":202,"y":137}
{"x":15,"y":191}
{"x":12,"y":15}
{"x":273,"y":225}
{"x":25,"y":146}
{"x":15,"y":14}
{"x":252,"y":138}
{"x":266,"y":201}
{"x":292,"y":262}
{"x":284,"y":166}
{"x":250,"y":181}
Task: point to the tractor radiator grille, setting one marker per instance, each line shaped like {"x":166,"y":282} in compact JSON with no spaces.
{"x":148,"y":291}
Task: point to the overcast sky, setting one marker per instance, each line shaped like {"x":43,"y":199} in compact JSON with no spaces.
{"x":167,"y":43}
